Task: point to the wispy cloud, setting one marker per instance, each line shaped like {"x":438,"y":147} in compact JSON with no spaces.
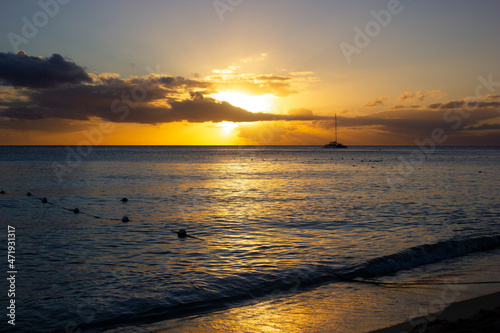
{"x":377,"y":101}
{"x":255,"y":84}
{"x":420,"y":95}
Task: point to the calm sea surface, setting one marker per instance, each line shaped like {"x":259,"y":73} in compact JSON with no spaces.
{"x":270,"y":222}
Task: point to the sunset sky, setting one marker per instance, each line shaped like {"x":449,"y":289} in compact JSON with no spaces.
{"x":205,"y":72}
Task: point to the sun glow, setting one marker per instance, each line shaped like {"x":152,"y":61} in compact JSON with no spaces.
{"x":227,"y":127}
{"x":252,"y":103}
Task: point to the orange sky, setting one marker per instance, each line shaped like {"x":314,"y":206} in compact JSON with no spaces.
{"x":260,"y":73}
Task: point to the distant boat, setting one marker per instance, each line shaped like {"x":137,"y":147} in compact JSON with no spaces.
{"x":335,"y":144}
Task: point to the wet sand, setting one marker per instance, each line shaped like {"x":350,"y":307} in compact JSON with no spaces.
{"x":480,"y":314}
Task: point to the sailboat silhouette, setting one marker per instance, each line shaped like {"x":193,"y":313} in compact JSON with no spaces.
{"x":335,"y":144}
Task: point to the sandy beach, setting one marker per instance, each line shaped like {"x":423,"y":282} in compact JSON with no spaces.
{"x":359,"y":310}
{"x":480,"y":314}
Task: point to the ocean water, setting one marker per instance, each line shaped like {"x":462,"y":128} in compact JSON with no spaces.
{"x":274,"y":227}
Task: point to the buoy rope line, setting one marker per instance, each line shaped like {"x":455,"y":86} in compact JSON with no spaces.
{"x":181,"y":233}
{"x":409,"y":284}
{"x":77,"y":210}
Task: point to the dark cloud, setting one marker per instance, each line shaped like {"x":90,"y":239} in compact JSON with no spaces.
{"x":402,"y":106}
{"x":449,"y":105}
{"x":21,"y":70}
{"x":141,"y":100}
{"x":160,"y":99}
{"x":403,"y":127}
{"x":422,"y":122}
{"x":51,"y":125}
{"x":207,"y":109}
{"x":484,"y":127}
{"x":461,"y":104}
{"x":152,"y":100}
{"x":485,"y":104}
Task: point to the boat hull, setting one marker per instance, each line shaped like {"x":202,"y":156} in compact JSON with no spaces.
{"x":334,"y":145}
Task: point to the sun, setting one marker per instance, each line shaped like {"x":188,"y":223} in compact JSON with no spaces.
{"x":252,"y":103}
{"x":227,"y":127}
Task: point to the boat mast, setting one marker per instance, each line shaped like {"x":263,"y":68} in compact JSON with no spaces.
{"x":336,"y":128}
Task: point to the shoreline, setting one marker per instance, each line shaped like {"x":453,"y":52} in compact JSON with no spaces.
{"x":480,"y":313}
{"x":316,"y":312}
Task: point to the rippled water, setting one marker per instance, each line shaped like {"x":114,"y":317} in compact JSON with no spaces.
{"x":267,"y":220}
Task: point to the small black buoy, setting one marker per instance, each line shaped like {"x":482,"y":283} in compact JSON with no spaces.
{"x":29,"y":194}
{"x":124,"y":199}
{"x":125,"y":219}
{"x":2,"y":192}
{"x":76,"y":211}
{"x":479,"y":171}
{"x":181,"y":233}
{"x":44,"y":200}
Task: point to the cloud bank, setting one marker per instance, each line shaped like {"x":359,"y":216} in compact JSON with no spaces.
{"x":56,"y":88}
{"x":21,"y":70}
{"x":55,"y":94}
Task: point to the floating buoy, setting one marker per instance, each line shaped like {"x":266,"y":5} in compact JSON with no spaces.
{"x":44,"y":200}
{"x":479,"y":171}
{"x":2,"y":192}
{"x":76,"y":211}
{"x":124,"y":199}
{"x":29,"y":194}
{"x":181,"y":233}
{"x":125,"y":219}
